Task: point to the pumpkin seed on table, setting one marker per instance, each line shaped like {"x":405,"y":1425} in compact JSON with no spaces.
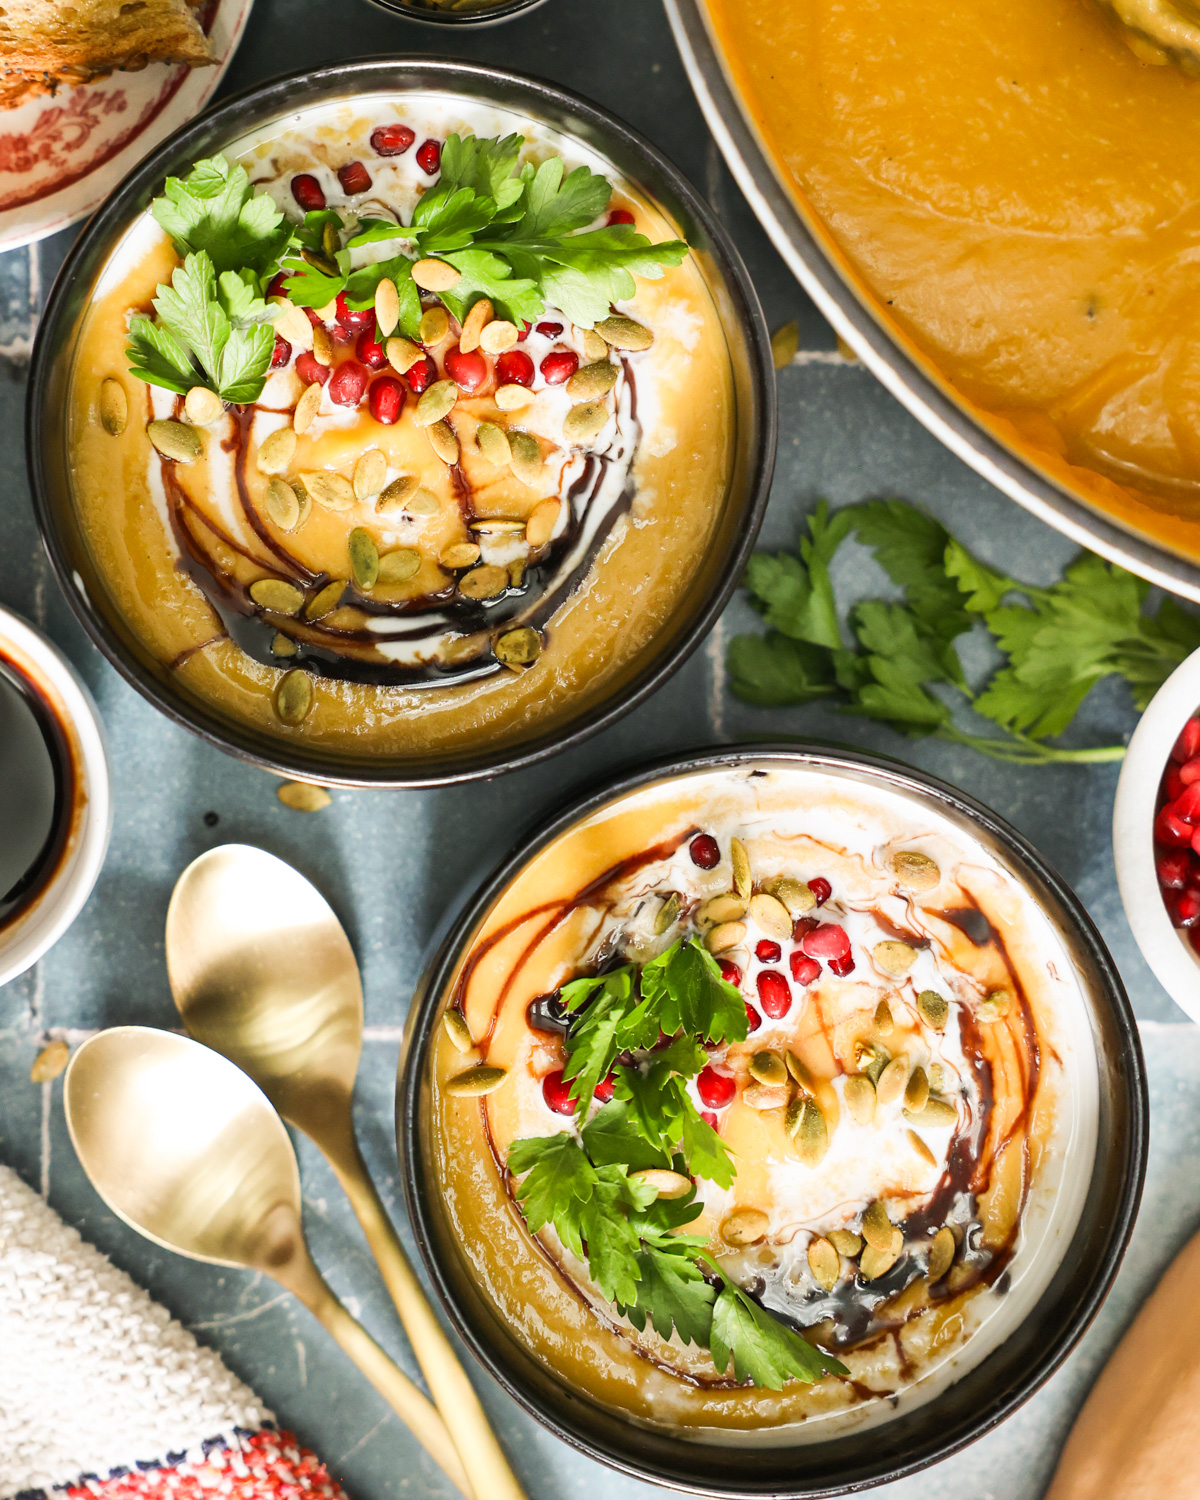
{"x":433,"y":275}
{"x":810,"y":1133}
{"x":499,"y":336}
{"x":443,"y":441}
{"x":483,"y":582}
{"x":459,"y":555}
{"x":859,"y":1094}
{"x":941,"y":1253}
{"x":175,"y":440}
{"x":322,"y":349}
{"x":769,"y":1068}
{"x":741,"y":868}
{"x":922,"y":1150}
{"x":369,"y":474}
{"x":723,"y":909}
{"x":294,"y":697}
{"x":402,"y":354}
{"x":594,"y":347}
{"x":492,"y":442}
{"x":845,"y":1242}
{"x":387,"y":306}
{"x":996,"y":1005}
{"x":325,"y":602}
{"x":785,"y":341}
{"x":333,"y":491}
{"x":399,"y":566}
{"x":282,"y":504}
{"x":525,"y":456}
{"x":302,"y":796}
{"x":623,"y":333}
{"x":591,"y":382}
{"x":666,"y":1184}
{"x":435,"y":403}
{"x":892,"y":1082}
{"x":725,"y":936}
{"x":397,"y":495}
{"x":915,"y":871}
{"x":514,"y":397}
{"x":275,"y":594}
{"x":894,"y":958}
{"x":476,"y":1082}
{"x":276,"y":451}
{"x":824,"y":1262}
{"x":113,"y":406}
{"x":934,"y":1114}
{"x":794,"y":894}
{"x":435,"y":325}
{"x":667,"y":914}
{"x":584,"y":424}
{"x":454,"y":1023}
{"x":745,"y":1226}
{"x":518,"y":648}
{"x":916,"y":1091}
{"x":474,"y":323}
{"x":50,"y":1061}
{"x":307,"y":407}
{"x":364,"y":558}
{"x":771,"y":916}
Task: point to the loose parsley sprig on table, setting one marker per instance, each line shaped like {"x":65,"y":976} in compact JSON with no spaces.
{"x":1058,"y":642}
{"x":581,"y":1183}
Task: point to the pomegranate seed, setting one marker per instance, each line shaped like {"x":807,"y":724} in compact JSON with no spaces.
{"x":827,"y":941}
{"x":774,"y":994}
{"x":308,"y":192}
{"x":1173,"y":869}
{"x":804,"y":969}
{"x":514,"y":367}
{"x":802,"y":925}
{"x":310,"y":369}
{"x":351,"y":317}
{"x":709,"y":1118}
{"x":842,"y":966}
{"x":1187,"y":908}
{"x":311,"y":314}
{"x":1196,"y":840}
{"x":354,"y":179}
{"x":1168,"y":829}
{"x":369,"y":350}
{"x":468,"y":370}
{"x":550,"y":330}
{"x":557,"y":1093}
{"x":730,"y":972}
{"x":753,"y":1019}
{"x":392,"y":140}
{"x":767,"y":952}
{"x":619,"y":216}
{"x":1187,"y":746}
{"x":281,"y":353}
{"x":821,"y":889}
{"x":604,"y":1089}
{"x":524,"y":333}
{"x":1173,"y":782}
{"x":429,"y":157}
{"x":1187,"y":804}
{"x":705,"y":851}
{"x":386,"y":399}
{"x":421,"y":375}
{"x":277,"y":283}
{"x":715,"y":1089}
{"x":1189,"y":771}
{"x":559,"y":365}
{"x":348,"y":383}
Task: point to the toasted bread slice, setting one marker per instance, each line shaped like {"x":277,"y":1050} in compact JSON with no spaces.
{"x":47,"y":43}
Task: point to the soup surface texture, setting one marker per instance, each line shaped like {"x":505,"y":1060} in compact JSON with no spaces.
{"x":909,"y":1110}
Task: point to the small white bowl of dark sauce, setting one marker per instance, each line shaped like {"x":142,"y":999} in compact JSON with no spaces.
{"x":55,"y":806}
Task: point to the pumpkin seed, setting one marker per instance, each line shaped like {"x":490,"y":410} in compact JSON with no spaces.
{"x":275,"y":594}
{"x":364,"y":558}
{"x":584,"y":424}
{"x":474,"y":323}
{"x":768,"y":1068}
{"x":795,"y":1113}
{"x":459,"y":555}
{"x":484,"y":582}
{"x":516,"y":572}
{"x":667,"y":915}
{"x":915,"y":871}
{"x":113,"y":407}
{"x":455,"y":1026}
{"x":518,"y":648}
{"x":496,"y":526}
{"x":202,"y":406}
{"x":884,"y":1021}
{"x":329,"y":312}
{"x":727,"y":935}
{"x":333,"y":491}
{"x":872,"y":1060}
{"x":434,"y":326}
{"x":937,"y":1077}
{"x":176,"y":441}
{"x":322,"y":349}
{"x":941,"y":1254}
{"x":892,"y":1082}
{"x":916,"y":1091}
{"x":799,"y":1072}
{"x":424,"y":503}
{"x":785,"y":341}
{"x":771,"y":916}
{"x":319,"y":261}
{"x":433,"y":275}
{"x":933,"y":1008}
{"x":922,"y":1150}
{"x":592,"y":382}
{"x":513,"y":397}
{"x":476,"y":1082}
{"x":845,"y":1242}
{"x":369,"y":474}
{"x":398,"y":494}
{"x":741,"y":868}
{"x":282,"y":504}
{"x":291,"y":324}
{"x":399,"y":566}
{"x":402,"y":354}
{"x":444,"y":442}
{"x":876,"y":1263}
{"x":877,"y":1227}
{"x":996,"y":1005}
{"x":387,"y":306}
{"x":859,"y":1094}
{"x":935,"y":1113}
{"x":302,"y":796}
{"x":525,"y":455}
{"x":744,"y":1226}
{"x":50,"y":1061}
{"x":825,"y":1263}
{"x":283,"y":645}
{"x":435,"y":403}
{"x":307,"y":407}
{"x":325,"y":602}
{"x":894,"y":958}
{"x":624,"y":333}
{"x":276,"y":451}
{"x":794,"y":894}
{"x":722,"y":909}
{"x":294,"y":697}
{"x":492,"y":442}
{"x":543,"y":518}
{"x":666,"y":1184}
{"x":499,"y":336}
{"x":594,"y":347}
{"x":812,"y":1133}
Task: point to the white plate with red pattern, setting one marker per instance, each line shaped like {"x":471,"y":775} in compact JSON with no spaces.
{"x":62,"y":154}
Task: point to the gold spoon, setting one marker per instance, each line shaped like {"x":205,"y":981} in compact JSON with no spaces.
{"x":187,"y":1150}
{"x":263,"y":972}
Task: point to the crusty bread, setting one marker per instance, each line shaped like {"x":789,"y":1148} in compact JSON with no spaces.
{"x":47,"y":43}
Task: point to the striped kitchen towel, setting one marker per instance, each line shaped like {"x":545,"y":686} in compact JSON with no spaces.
{"x":103,"y":1396}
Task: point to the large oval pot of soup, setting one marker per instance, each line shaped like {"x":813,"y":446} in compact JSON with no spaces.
{"x":990,"y":204}
{"x":492,"y":480}
{"x":772,"y":1122}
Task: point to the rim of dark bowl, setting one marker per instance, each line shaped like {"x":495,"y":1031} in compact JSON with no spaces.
{"x":748,"y":344}
{"x":1122,"y":1063}
{"x":503,"y":10}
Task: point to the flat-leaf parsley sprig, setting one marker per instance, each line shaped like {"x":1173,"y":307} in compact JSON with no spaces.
{"x":595,"y":1183}
{"x":903,"y":667}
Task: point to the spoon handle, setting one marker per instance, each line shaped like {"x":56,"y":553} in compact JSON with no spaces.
{"x":484,"y":1459}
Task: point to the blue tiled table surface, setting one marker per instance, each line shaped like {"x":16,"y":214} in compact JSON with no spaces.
{"x":391,"y":862}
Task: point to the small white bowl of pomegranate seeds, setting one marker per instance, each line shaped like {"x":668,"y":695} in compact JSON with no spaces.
{"x":1156,"y":835}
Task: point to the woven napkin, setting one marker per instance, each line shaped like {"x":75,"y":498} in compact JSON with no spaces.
{"x":104,"y":1396}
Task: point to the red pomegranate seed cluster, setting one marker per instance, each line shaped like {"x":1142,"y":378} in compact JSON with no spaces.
{"x":1177,"y":832}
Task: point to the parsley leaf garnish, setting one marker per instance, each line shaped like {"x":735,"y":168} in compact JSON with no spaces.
{"x":215,"y":209}
{"x":685,"y":991}
{"x":762,"y":1348}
